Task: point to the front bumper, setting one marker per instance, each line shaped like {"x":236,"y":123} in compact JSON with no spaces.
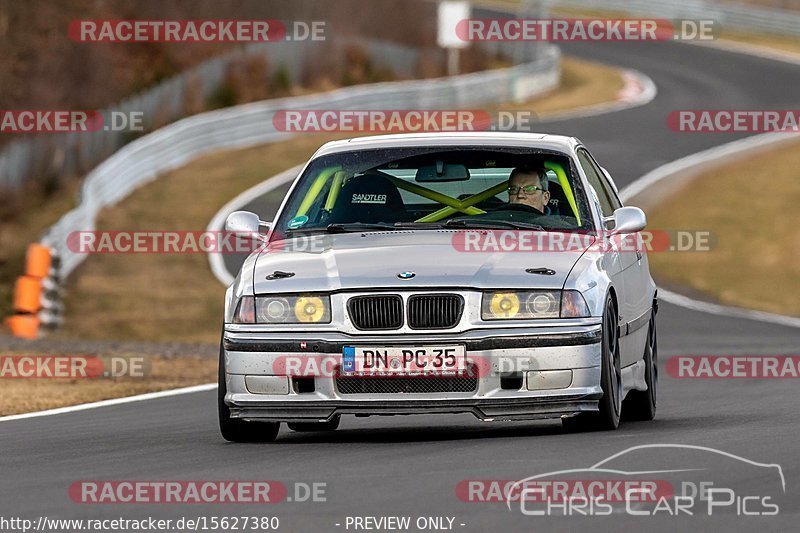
{"x":556,"y":371}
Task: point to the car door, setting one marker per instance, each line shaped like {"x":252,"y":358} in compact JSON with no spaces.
{"x":631,"y":281}
{"x":606,"y":210}
{"x":637,"y":270}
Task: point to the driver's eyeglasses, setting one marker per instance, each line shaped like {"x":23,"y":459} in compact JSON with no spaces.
{"x":527,"y":189}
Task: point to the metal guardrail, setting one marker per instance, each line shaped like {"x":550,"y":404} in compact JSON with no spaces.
{"x":738,"y":16}
{"x":144,"y":159}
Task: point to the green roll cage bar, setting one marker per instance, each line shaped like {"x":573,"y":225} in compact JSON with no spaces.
{"x":451,"y":205}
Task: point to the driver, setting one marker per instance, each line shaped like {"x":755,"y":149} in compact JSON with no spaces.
{"x":527,"y":189}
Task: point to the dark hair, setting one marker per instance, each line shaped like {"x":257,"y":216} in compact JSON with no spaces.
{"x":540,"y":172}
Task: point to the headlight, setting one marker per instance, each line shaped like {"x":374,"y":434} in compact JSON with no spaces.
{"x":302,"y":309}
{"x":502,"y":305}
{"x":311,"y":309}
{"x":527,"y":305}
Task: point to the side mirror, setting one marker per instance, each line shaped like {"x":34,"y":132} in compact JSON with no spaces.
{"x":244,"y":222}
{"x":628,"y":220}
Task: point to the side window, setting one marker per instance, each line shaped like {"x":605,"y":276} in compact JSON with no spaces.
{"x":612,"y":195}
{"x":608,"y":201}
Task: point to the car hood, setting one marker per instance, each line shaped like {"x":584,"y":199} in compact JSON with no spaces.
{"x":374,"y":260}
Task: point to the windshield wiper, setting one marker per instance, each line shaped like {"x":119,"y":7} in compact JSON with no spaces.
{"x":418,"y":225}
{"x":397,"y":226}
{"x":343,"y":228}
{"x":490,"y":224}
{"x":358,"y":226}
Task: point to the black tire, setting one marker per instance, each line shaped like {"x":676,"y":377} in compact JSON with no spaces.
{"x":610,"y":378}
{"x":330,"y":425}
{"x":641,"y":405}
{"x":234,"y":429}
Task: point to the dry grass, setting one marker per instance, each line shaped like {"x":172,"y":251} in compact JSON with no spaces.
{"x":756,"y":228}
{"x":26,"y":395}
{"x":776,"y":42}
{"x":583,"y":84}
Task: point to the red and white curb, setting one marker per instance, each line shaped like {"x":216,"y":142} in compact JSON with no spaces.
{"x":638,"y":90}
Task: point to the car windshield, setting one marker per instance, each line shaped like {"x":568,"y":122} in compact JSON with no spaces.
{"x":435,"y":187}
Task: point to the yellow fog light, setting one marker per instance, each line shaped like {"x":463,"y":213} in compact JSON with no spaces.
{"x":504,"y":305}
{"x":309,"y":309}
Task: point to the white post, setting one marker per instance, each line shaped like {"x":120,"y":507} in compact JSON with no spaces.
{"x":450,"y":13}
{"x":452,"y":61}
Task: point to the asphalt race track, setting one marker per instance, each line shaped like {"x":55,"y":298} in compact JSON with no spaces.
{"x":411,"y":465}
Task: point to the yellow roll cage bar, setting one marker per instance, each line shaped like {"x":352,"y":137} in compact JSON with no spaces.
{"x":451,"y":205}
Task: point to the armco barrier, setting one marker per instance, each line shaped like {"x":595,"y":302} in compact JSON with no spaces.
{"x":143,"y":160}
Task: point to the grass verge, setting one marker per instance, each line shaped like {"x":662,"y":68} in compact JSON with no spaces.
{"x":782,"y":43}
{"x":754,"y":225}
{"x":26,"y":395}
{"x":583,"y":84}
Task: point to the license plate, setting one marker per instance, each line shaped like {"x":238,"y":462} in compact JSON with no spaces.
{"x":404,"y":360}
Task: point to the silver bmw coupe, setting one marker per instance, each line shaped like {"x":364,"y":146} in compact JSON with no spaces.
{"x":496,"y":274}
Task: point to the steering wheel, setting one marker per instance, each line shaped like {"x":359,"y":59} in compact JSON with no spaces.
{"x":522,"y":207}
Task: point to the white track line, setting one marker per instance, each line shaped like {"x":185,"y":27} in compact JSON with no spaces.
{"x":689,"y":163}
{"x":733,"y":312}
{"x":114,"y":401}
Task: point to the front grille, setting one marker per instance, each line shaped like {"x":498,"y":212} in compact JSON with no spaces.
{"x":406,"y":385}
{"x":434,"y":311}
{"x":376,"y":312}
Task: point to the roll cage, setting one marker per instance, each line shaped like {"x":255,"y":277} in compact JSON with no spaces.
{"x":336,"y":175}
